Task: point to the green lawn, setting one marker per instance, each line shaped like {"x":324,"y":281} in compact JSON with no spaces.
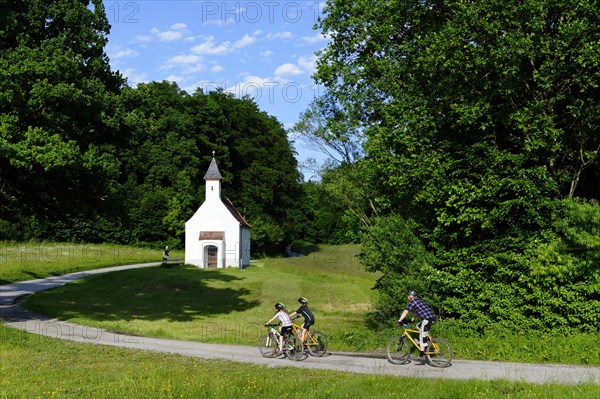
{"x":33,"y":260}
{"x":229,"y":306}
{"x":223,"y":305}
{"x":33,"y":366}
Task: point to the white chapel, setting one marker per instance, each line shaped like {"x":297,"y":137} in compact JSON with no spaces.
{"x":217,"y":236}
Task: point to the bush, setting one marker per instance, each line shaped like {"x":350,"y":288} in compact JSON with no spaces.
{"x":545,"y":280}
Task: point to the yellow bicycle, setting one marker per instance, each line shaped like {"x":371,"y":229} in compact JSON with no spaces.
{"x":438,"y":352}
{"x":315,"y":341}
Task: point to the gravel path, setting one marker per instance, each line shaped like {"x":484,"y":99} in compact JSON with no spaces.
{"x":15,"y":316}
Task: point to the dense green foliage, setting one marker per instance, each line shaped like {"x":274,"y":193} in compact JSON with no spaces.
{"x":57,"y":146}
{"x":171,"y":137}
{"x":83,"y":157}
{"x":481,"y":126}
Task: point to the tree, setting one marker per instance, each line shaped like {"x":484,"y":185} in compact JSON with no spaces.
{"x":479,"y":118}
{"x":262,"y":175}
{"x":171,"y":136}
{"x":57,"y":141}
{"x":327,"y":128}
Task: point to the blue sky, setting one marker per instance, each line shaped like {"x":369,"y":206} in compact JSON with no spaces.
{"x":264,"y":49}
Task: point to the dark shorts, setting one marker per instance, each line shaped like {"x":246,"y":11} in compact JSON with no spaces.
{"x":286,"y":330}
{"x":307,"y":325}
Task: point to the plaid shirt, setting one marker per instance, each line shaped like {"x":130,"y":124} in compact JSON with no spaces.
{"x":421,"y":309}
{"x":285,"y":318}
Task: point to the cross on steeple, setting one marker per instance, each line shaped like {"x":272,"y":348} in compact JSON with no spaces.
{"x":213,"y":153}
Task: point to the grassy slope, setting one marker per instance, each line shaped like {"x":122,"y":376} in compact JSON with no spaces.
{"x":229,"y":305}
{"x":33,"y":260}
{"x":221,"y":306}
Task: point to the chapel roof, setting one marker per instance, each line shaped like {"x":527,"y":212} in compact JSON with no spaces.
{"x":213,"y":171}
{"x":236,"y":214}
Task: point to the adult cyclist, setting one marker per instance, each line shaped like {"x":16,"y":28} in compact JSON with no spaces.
{"x":424,"y":312}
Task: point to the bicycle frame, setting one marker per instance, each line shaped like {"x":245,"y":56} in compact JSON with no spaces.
{"x":432,"y":345}
{"x":269,"y":344}
{"x":308,"y":338}
{"x":315,"y":341}
{"x":438,"y":352}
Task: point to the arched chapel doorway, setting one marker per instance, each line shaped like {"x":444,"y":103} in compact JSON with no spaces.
{"x":212,"y":256}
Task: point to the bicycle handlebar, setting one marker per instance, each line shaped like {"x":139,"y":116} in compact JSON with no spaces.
{"x":271,"y":325}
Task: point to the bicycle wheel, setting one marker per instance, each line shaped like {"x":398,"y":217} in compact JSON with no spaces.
{"x":268,"y":345}
{"x":440,"y":353}
{"x":398,"y":350}
{"x":316,"y":342}
{"x":293,"y":348}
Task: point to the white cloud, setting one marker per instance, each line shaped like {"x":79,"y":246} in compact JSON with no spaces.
{"x":185,"y":63}
{"x":178,"y":26}
{"x":280,"y":35}
{"x":209,"y":47}
{"x":266,"y":53}
{"x":124,"y":53}
{"x":184,"y":59}
{"x":167,"y":36}
{"x":216,"y":69}
{"x":221,"y":21}
{"x":247,"y":40}
{"x":175,"y":78}
{"x":141,"y":39}
{"x":134,"y":77}
{"x":288,"y":70}
{"x":253,"y":86}
{"x":314,"y":39}
{"x":307,"y":62}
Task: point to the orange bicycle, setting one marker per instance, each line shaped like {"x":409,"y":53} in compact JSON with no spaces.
{"x":438,"y":352}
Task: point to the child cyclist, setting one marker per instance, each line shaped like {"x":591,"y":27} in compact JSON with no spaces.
{"x":304,"y":311}
{"x":286,"y":323}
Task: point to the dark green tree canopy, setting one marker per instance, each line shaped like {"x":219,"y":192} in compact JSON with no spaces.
{"x":84,"y":157}
{"x":479,"y":118}
{"x":56,"y":97}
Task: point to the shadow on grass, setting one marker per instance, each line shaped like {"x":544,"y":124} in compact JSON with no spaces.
{"x":33,"y":276}
{"x":303,"y":247}
{"x":181,"y":293}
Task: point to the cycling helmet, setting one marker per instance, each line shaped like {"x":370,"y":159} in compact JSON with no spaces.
{"x":279,"y":306}
{"x":412,"y":292}
{"x":302,"y":300}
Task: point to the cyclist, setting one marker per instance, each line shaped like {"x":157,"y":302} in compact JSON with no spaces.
{"x":421,"y":309}
{"x":304,"y":311}
{"x":286,"y":323}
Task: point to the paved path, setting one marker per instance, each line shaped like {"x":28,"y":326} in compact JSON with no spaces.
{"x":15,"y":316}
